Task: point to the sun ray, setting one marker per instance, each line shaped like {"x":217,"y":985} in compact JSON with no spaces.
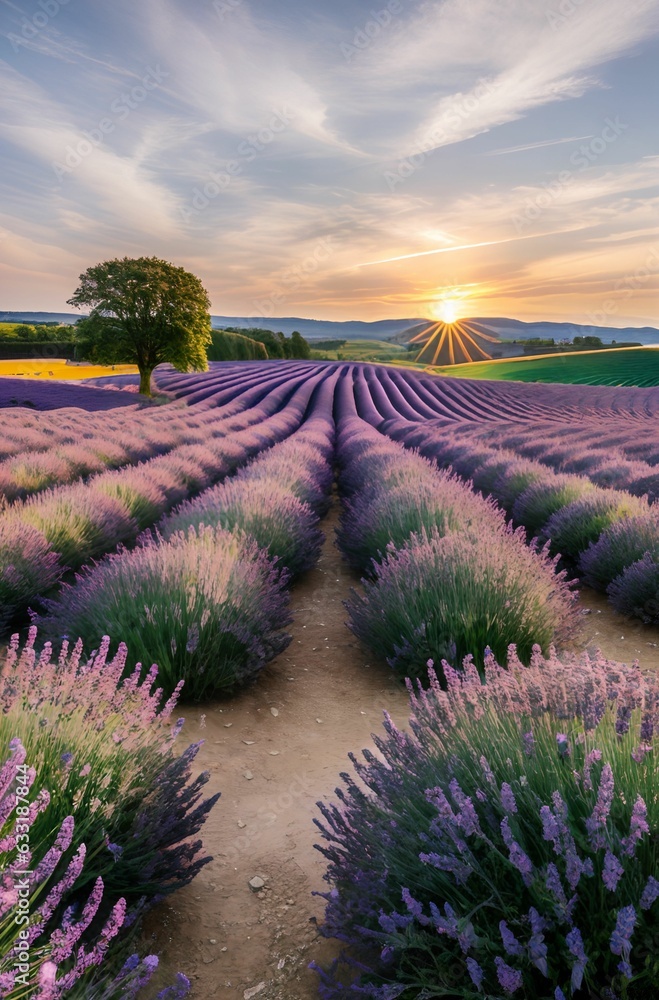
{"x":460,"y":342}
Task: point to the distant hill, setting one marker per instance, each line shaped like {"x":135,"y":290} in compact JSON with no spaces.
{"x":398,"y":330}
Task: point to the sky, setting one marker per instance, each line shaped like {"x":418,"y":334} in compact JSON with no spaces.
{"x":338,"y":160}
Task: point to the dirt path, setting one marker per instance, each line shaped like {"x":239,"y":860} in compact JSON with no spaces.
{"x":291,"y":732}
{"x":273,"y":752}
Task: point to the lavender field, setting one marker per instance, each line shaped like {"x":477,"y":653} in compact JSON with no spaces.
{"x":497,"y":838}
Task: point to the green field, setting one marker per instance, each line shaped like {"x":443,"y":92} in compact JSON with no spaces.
{"x":618,"y":366}
{"x":361,"y":350}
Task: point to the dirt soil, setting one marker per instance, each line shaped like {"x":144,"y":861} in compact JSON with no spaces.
{"x":273,"y":752}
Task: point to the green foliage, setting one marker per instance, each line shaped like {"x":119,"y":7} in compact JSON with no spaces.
{"x":628,"y":365}
{"x":587,"y":341}
{"x":299,"y":347}
{"x":227,"y":346}
{"x":278,"y":345}
{"x":145,"y":311}
{"x":327,"y":345}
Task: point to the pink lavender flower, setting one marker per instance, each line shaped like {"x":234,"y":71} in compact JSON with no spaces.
{"x":591,"y":757}
{"x":638,"y":826}
{"x":563,"y":745}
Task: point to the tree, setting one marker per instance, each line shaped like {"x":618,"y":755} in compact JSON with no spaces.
{"x":25,"y":331}
{"x":145,"y":311}
{"x":299,"y":346}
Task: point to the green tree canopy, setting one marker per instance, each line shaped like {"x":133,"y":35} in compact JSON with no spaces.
{"x":299,"y":346}
{"x":145,"y":311}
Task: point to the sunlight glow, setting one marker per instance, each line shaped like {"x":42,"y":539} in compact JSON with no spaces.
{"x":447,"y":310}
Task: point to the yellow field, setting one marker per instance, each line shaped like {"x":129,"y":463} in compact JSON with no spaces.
{"x":57,"y":368}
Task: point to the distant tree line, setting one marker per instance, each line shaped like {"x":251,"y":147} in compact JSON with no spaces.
{"x":278,"y":345}
{"x":37,"y":332}
{"x":327,"y":345}
{"x":228,"y":346}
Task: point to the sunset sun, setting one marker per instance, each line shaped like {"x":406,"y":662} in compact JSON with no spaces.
{"x":447,"y":310}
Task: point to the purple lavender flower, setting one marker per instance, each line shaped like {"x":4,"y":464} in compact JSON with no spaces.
{"x":596,"y":822}
{"x":620,"y":943}
{"x":550,"y":828}
{"x":575,"y":944}
{"x":178,"y":991}
{"x":508,"y":800}
{"x":510,"y":979}
{"x":537,"y":947}
{"x":650,"y":893}
{"x":510,"y":943}
{"x":613,"y":871}
{"x":528,"y":740}
{"x":476,"y":974}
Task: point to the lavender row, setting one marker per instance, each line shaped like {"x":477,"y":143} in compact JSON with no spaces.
{"x":103,"y":444}
{"x":608,"y":537}
{"x":67,"y":526}
{"x":206,"y":593}
{"x":115,"y":830}
{"x":610,"y":456}
{"x":506,"y":846}
{"x":447,"y":576}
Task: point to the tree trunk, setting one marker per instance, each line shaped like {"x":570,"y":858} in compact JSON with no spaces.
{"x":145,"y":381}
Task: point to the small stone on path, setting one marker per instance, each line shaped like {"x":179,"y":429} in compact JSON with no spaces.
{"x":248,"y":775}
{"x":249,"y":743}
{"x":274,"y":711}
{"x":241,"y":825}
{"x":248,"y":994}
{"x":256,"y":883}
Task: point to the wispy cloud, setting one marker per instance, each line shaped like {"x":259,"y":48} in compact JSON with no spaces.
{"x":447,"y":92}
{"x":537,"y":145}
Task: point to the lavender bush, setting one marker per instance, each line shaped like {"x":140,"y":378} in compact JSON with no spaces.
{"x":507,"y":845}
{"x":572,"y":529}
{"x":208,"y":605}
{"x":279,"y":523}
{"x":516,"y":478}
{"x":620,"y":545}
{"x":382,"y":518}
{"x":438,"y":597}
{"x":28,"y":564}
{"x":541,"y":499}
{"x":636,"y":591}
{"x":46,"y":951}
{"x":105,"y":749}
{"x":77,"y":524}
